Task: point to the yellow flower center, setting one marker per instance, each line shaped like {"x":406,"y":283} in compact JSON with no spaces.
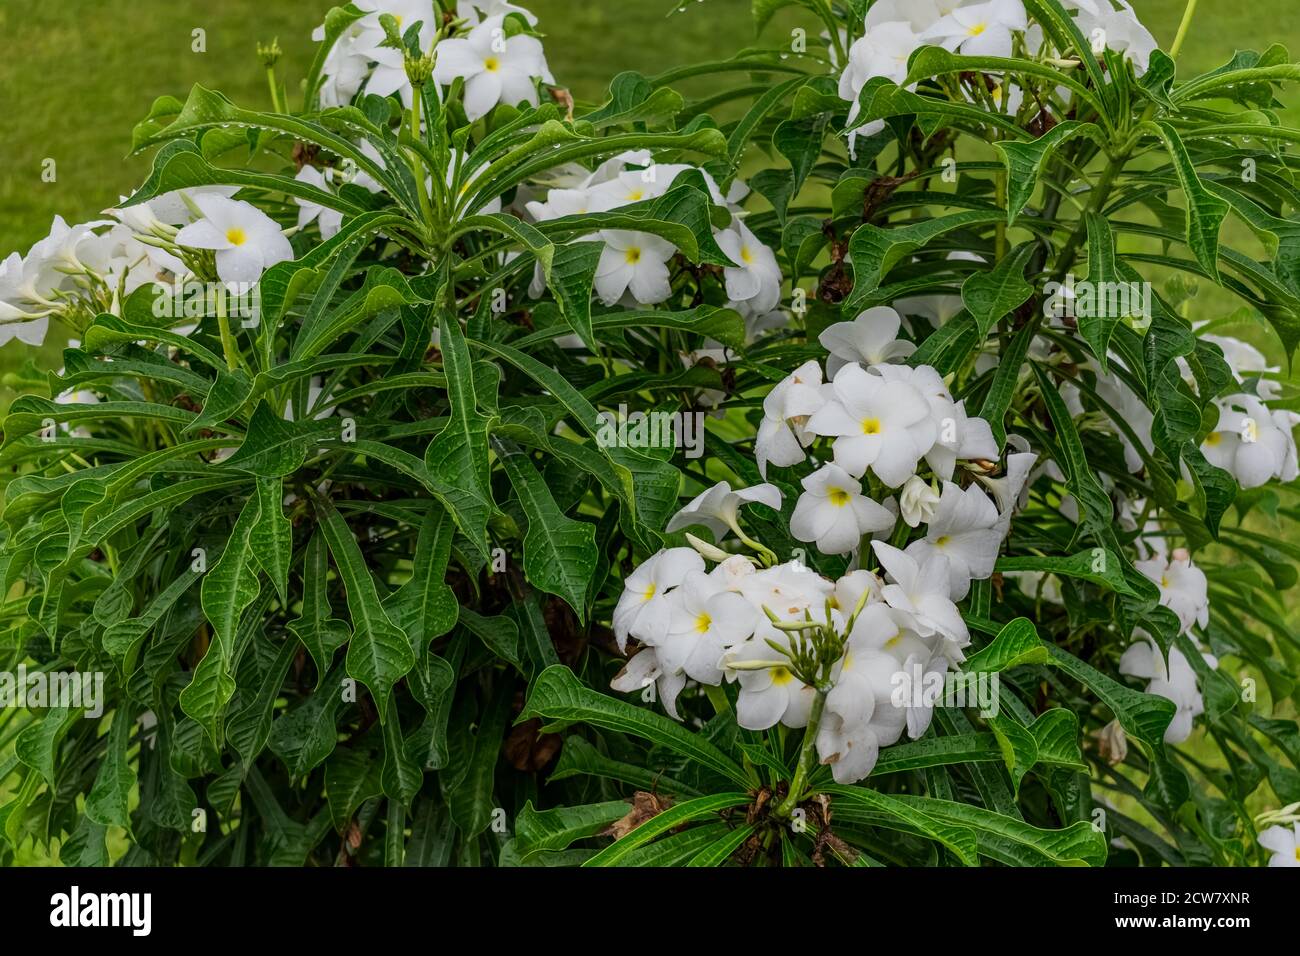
{"x":781,"y":676}
{"x":746,"y":256}
{"x":941,"y":541}
{"x":1164,"y":580}
{"x":1213,"y":438}
{"x":977,"y":29}
{"x":635,"y":195}
{"x":871,"y":426}
{"x":236,"y":236}
{"x":633,"y":256}
{"x":838,"y":497}
{"x":492,"y":64}
{"x":1297,"y":852}
{"x":703,"y":623}
{"x":893,"y":641}
{"x":649,"y":592}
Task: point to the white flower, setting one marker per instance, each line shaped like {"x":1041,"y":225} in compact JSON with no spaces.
{"x":1183,"y":587}
{"x":1283,"y":844}
{"x":642,"y":671}
{"x":718,"y":508}
{"x":870,"y":339}
{"x":768,"y":695}
{"x":851,"y":588}
{"x":474,"y":10}
{"x":496,"y":68}
{"x":635,"y":262}
{"x":1177,"y":682}
{"x":628,"y":187}
{"x":967,"y":530}
{"x":959,"y":436}
{"x":1251,"y":442}
{"x":1118,"y":30}
{"x":246,"y":240}
{"x":644,"y":611}
{"x":1130,"y":407}
{"x":883,"y":50}
{"x":788,"y":591}
{"x":981,"y":30}
{"x":1011,"y":491}
{"x":707,"y":618}
{"x":783,"y":434}
{"x":756,"y":278}
{"x":917,"y":501}
{"x":1246,"y":361}
{"x":330,"y":219}
{"x":877,"y":424}
{"x":920,"y":589}
{"x":859,"y":717}
{"x":834,"y":513}
{"x":17,"y":320}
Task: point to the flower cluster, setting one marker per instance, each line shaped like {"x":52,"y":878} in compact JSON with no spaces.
{"x":895,"y":29}
{"x":490,"y":51}
{"x":786,"y":633}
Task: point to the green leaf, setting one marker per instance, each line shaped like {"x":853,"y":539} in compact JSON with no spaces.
{"x":558,"y":829}
{"x":379,"y":654}
{"x":559,"y":552}
{"x":1017,"y":643}
{"x":272,"y":537}
{"x":674,"y":816}
{"x":320,"y":632}
{"x":876,"y":250}
{"x":107,"y":802}
{"x":891,"y":811}
{"x":1098,"y":566}
{"x":1205,"y":211}
{"x":558,"y":696}
{"x":471,"y":800}
{"x":989,"y":296}
{"x":1025,"y":161}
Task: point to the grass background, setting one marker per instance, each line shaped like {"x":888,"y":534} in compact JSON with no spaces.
{"x":76,"y":75}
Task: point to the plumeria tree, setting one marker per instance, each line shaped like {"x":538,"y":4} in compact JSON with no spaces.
{"x":838,"y":468}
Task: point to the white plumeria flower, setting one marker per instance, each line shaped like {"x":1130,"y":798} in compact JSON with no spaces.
{"x":1250,"y":442}
{"x":635,"y":263}
{"x":877,"y":424}
{"x":330,"y":220}
{"x":1118,"y":30}
{"x":246,"y":240}
{"x":1246,"y":361}
{"x":756,"y":278}
{"x":643,"y":670}
{"x":920,"y":14}
{"x":1176,"y":682}
{"x":176,"y":208}
{"x":768,"y":695}
{"x":496,"y":68}
{"x":1011,"y":491}
{"x":474,"y":10}
{"x":921,"y":590}
{"x":856,"y":588}
{"x":859,"y":717}
{"x":644,"y":611}
{"x":789,"y":591}
{"x":17,"y":317}
{"x":981,"y":30}
{"x":707,"y":619}
{"x":1283,"y":844}
{"x":959,"y":437}
{"x":833,"y":512}
{"x":917,"y":501}
{"x":1112,"y":390}
{"x":966,"y":529}
{"x":783,"y":433}
{"x":870,"y":339}
{"x":628,"y":187}
{"x":718,"y":508}
{"x":883,"y":50}
{"x":1183,"y":587}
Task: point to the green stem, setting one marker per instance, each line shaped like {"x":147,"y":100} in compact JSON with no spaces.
{"x":227,"y":337}
{"x":718,"y":698}
{"x":276,"y":106}
{"x":807,"y":759}
{"x":1183,"y":29}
